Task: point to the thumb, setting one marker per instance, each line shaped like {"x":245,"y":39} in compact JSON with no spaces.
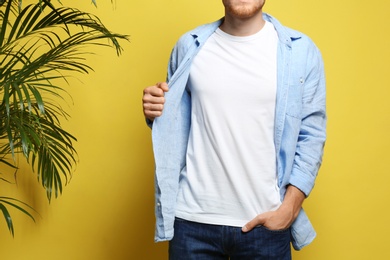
{"x":163,"y":86}
{"x":258,"y":220}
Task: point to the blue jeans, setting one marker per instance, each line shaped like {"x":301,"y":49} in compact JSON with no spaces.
{"x":208,"y":242}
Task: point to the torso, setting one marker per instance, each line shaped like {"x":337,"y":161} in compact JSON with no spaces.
{"x":231,"y":167}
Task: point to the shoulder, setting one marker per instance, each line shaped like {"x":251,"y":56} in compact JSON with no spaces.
{"x":291,"y":37}
{"x":189,"y":43}
{"x":305,"y":53}
{"x":198,"y":35}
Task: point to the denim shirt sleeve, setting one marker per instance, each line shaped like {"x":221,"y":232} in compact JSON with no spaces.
{"x":312,"y":133}
{"x":302,"y":120}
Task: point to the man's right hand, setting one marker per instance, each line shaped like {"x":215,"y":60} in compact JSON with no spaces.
{"x":153,"y":100}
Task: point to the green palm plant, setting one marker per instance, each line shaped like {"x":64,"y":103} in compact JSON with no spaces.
{"x":41,"y":46}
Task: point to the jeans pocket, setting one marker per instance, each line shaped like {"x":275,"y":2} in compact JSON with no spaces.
{"x":277,"y":231}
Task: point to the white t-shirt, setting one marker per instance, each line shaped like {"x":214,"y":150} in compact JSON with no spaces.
{"x":230,"y":175}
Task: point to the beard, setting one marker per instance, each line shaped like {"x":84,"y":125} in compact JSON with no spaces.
{"x":243,"y":11}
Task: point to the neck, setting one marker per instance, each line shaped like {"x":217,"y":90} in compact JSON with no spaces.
{"x":242,"y":26}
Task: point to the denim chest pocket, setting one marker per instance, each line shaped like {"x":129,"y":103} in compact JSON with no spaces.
{"x":294,"y":100}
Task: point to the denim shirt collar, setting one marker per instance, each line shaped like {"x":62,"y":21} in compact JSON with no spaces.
{"x":285,"y":35}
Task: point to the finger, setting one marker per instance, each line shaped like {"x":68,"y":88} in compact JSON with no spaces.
{"x":152,"y":114}
{"x":152,"y":99}
{"x":154,"y":91}
{"x":258,"y":220}
{"x":153,"y":107}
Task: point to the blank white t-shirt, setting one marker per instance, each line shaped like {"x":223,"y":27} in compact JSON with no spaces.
{"x":230,"y":175}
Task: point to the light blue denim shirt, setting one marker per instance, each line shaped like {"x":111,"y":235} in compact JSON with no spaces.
{"x":300,"y":122}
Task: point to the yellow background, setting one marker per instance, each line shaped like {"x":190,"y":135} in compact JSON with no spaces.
{"x":106,"y":212}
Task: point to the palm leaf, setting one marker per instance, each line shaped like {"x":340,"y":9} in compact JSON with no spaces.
{"x":8,"y":218}
{"x":13,"y":203}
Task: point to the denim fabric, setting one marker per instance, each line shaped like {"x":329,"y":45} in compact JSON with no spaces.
{"x":212,"y":242}
{"x":300,"y":123}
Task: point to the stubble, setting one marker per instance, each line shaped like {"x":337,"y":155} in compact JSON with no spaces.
{"x":243,"y":10}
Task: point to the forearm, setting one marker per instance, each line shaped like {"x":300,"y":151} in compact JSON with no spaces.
{"x":293,"y":201}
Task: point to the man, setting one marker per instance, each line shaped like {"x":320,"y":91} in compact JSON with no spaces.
{"x":238,"y":138}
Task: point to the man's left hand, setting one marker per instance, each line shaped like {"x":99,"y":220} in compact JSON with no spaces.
{"x":284,"y":216}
